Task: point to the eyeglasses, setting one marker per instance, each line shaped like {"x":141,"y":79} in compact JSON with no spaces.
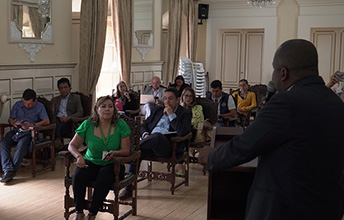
{"x":155,"y":83}
{"x":188,"y":96}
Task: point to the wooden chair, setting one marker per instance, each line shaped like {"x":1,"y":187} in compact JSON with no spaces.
{"x":260,"y":90}
{"x":210,"y":115}
{"x":137,"y":111}
{"x":42,"y":152}
{"x":170,"y":175}
{"x":86,"y":102}
{"x":109,"y":205}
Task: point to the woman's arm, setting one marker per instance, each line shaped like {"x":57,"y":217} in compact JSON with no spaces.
{"x":73,"y":149}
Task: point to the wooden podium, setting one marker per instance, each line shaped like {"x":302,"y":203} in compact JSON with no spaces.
{"x":228,"y":190}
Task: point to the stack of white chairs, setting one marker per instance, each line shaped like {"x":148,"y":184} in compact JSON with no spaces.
{"x":194,"y":75}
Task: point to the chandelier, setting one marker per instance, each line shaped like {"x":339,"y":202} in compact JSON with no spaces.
{"x":44,"y":8}
{"x":261,"y":3}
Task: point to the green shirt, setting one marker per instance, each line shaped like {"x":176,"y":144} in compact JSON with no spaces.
{"x":96,"y":145}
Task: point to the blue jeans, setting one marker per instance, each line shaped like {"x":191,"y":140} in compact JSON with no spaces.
{"x":23,"y":146}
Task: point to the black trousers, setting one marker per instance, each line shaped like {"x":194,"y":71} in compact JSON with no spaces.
{"x":157,"y":145}
{"x":104,"y":176}
{"x":63,"y":129}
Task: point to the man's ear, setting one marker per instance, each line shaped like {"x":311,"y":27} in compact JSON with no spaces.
{"x":284,"y":74}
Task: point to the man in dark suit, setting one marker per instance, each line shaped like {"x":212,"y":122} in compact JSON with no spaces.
{"x":298,"y":139}
{"x":155,"y":142}
{"x":66,"y":105}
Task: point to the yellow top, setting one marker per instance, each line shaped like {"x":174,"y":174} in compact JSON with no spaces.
{"x":245,"y":103}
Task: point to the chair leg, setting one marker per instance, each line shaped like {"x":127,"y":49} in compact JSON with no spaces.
{"x":52,"y":157}
{"x":150,"y":171}
{"x":186,"y":176}
{"x":173,"y":177}
{"x":33,"y":163}
{"x":134,"y":199}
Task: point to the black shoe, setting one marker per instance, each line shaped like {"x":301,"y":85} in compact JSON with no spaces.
{"x":7,"y":176}
{"x":125,"y":194}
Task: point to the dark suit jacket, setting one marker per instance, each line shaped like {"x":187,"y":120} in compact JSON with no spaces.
{"x":181,"y":124}
{"x":299,"y":139}
{"x":74,"y":106}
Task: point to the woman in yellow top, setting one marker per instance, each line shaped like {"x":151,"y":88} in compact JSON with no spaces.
{"x":245,"y":99}
{"x":106,"y":137}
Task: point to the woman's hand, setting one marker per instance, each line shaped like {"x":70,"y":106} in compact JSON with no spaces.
{"x":111,"y":154}
{"x":80,"y":162}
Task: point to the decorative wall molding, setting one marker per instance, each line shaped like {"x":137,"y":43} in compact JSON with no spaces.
{"x":32,"y":50}
{"x":143,"y":51}
{"x":142,"y":73}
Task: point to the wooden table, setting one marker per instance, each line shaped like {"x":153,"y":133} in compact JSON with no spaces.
{"x":228,"y":190}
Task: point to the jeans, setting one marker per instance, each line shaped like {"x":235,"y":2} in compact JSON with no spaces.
{"x":23,"y":146}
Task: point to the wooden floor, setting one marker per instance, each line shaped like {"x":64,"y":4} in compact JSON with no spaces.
{"x":42,"y":197}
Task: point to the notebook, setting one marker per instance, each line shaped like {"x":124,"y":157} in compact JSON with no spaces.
{"x":146,"y":98}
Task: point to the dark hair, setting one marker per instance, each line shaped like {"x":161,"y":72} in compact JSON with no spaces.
{"x":173,"y":90}
{"x":29,"y":94}
{"x":95,"y":117}
{"x":180,"y":77}
{"x":216,"y":84}
{"x":118,"y":94}
{"x":193,"y":103}
{"x":63,"y":80}
{"x":244,"y":80}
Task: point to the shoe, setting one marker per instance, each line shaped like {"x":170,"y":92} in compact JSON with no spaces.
{"x":7,"y":176}
{"x":91,"y":216}
{"x":58,"y":144}
{"x":125,"y":194}
{"x":79,"y":215}
{"x":181,"y":174}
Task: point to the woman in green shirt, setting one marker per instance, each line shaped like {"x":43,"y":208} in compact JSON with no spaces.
{"x":106,"y":137}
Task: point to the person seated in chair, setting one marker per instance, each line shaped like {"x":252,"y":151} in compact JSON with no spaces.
{"x":226,"y":104}
{"x":158,"y":93}
{"x":123,"y":99}
{"x":246,"y":100}
{"x":66,"y":105}
{"x":106,"y":136}
{"x":155,"y":143}
{"x":179,"y":84}
{"x":24,"y":114}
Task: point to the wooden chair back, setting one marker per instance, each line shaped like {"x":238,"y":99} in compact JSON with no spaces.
{"x":209,"y":109}
{"x":87,"y":103}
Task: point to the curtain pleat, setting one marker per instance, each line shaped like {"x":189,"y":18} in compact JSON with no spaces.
{"x":122,"y":15}
{"x":93,"y":19}
{"x":173,"y":39}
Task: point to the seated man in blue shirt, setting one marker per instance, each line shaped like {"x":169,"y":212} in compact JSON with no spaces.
{"x":164,"y":119}
{"x":25,"y":114}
